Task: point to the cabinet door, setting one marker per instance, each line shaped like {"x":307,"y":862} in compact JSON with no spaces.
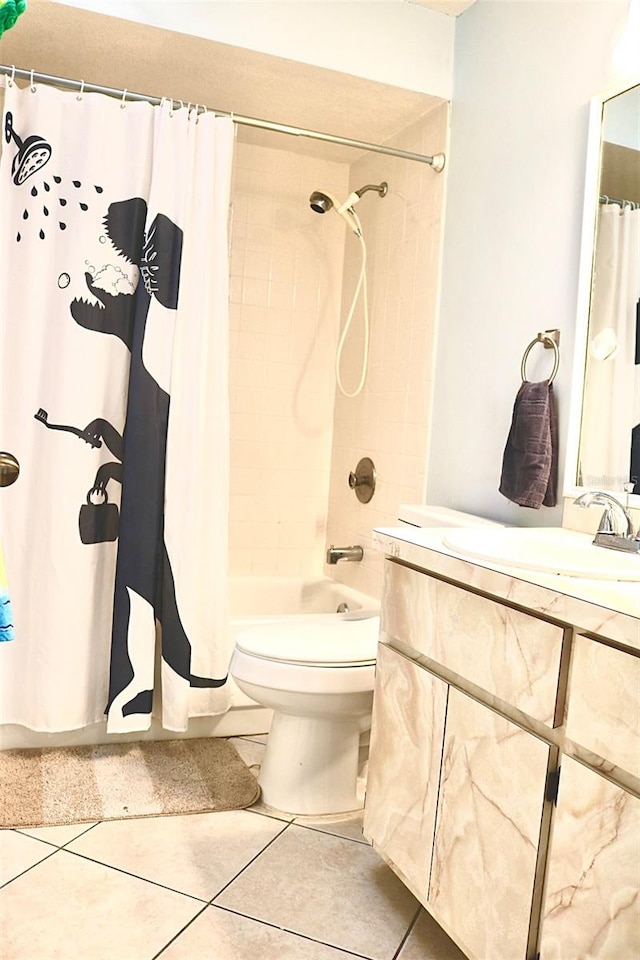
{"x":593,"y":887}
{"x":409,"y":707}
{"x":488,"y":829}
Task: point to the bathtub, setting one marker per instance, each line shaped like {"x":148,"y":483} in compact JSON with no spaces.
{"x":261,"y":597}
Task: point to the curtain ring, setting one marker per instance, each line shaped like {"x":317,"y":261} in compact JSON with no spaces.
{"x":122,"y":102}
{"x":81,"y":91}
{"x":32,"y":86}
{"x":12,"y":78}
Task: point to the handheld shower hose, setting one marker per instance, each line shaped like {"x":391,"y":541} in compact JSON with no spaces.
{"x":321,"y":202}
{"x":360,"y":286}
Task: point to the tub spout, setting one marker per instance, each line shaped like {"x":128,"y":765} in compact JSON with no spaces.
{"x":344,"y":553}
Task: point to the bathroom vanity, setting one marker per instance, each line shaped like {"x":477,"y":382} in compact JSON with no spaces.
{"x":504,"y":773}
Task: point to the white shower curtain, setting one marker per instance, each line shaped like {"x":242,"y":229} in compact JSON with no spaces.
{"x":611,"y":407}
{"x":114,"y":399}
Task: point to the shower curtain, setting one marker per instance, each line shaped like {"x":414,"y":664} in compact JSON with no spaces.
{"x":114,"y":359}
{"x":611,"y":408}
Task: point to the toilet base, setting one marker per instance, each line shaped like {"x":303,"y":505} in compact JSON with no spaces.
{"x":310,"y":765}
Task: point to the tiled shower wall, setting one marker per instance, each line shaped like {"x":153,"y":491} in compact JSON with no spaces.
{"x":390,"y":420}
{"x":286,"y":276}
{"x":293,"y":273}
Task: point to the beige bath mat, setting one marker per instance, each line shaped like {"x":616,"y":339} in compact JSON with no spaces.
{"x":46,"y":787}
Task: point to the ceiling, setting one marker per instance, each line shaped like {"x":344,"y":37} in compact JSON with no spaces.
{"x":101,"y":49}
{"x":453,"y":7}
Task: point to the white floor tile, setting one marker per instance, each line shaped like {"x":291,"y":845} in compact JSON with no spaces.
{"x":196,"y":855}
{"x":57,"y":835}
{"x":219,"y":935}
{"x":428,"y":941}
{"x":267,"y":811}
{"x":327,"y":888}
{"x":348,"y":825}
{"x":251,"y":752}
{"x":18,"y":853}
{"x":69,"y":908}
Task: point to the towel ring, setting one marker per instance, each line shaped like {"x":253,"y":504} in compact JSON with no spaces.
{"x":547,"y":341}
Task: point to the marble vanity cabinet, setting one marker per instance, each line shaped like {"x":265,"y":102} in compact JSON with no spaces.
{"x":504,"y":770}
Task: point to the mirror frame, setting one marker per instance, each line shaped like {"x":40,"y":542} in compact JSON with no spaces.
{"x":571,"y":490}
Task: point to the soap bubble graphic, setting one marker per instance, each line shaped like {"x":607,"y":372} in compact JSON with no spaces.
{"x":114,"y":280}
{"x":64,"y":280}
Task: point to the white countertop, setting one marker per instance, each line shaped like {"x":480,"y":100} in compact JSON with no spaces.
{"x":609,"y":608}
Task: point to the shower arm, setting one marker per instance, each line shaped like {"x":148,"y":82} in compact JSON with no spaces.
{"x":355,"y":197}
{"x":380,"y":188}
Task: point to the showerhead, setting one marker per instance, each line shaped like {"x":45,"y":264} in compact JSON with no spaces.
{"x":320,"y":202}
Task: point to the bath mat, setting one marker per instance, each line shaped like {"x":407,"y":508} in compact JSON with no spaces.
{"x":52,"y":786}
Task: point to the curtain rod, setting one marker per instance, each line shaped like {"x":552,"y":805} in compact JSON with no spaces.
{"x":621,"y":203}
{"x":437,"y":161}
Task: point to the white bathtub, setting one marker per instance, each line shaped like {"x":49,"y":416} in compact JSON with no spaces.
{"x":287,"y":596}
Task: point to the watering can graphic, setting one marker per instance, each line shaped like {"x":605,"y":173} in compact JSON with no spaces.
{"x":32,"y":153}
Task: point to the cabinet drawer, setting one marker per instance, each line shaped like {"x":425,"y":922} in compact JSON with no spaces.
{"x":603,"y":704}
{"x":508,"y":653}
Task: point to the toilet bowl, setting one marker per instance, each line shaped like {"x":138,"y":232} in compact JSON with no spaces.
{"x":317,"y":674}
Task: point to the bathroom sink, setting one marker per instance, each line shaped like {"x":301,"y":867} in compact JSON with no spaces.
{"x":545,"y":549}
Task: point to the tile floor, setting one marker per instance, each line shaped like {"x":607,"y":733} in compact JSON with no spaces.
{"x":242,"y":885}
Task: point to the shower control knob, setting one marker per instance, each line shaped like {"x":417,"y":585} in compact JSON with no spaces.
{"x":363,"y":480}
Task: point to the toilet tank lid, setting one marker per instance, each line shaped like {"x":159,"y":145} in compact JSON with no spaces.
{"x":428,"y":515}
{"x":323,"y":639}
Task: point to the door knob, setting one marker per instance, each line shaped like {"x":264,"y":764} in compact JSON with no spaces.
{"x":9,"y":469}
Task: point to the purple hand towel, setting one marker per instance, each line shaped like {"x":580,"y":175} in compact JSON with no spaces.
{"x":530,"y":462}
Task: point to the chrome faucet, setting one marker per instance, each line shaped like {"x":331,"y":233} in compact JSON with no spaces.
{"x":615,"y":529}
{"x":344,"y":553}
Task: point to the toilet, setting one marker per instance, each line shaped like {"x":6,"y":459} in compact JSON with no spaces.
{"x":317,"y":675}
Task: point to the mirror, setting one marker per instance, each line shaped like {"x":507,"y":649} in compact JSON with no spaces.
{"x":604,"y":445}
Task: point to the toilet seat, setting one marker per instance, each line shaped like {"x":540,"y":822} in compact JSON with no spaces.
{"x":320,"y":642}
